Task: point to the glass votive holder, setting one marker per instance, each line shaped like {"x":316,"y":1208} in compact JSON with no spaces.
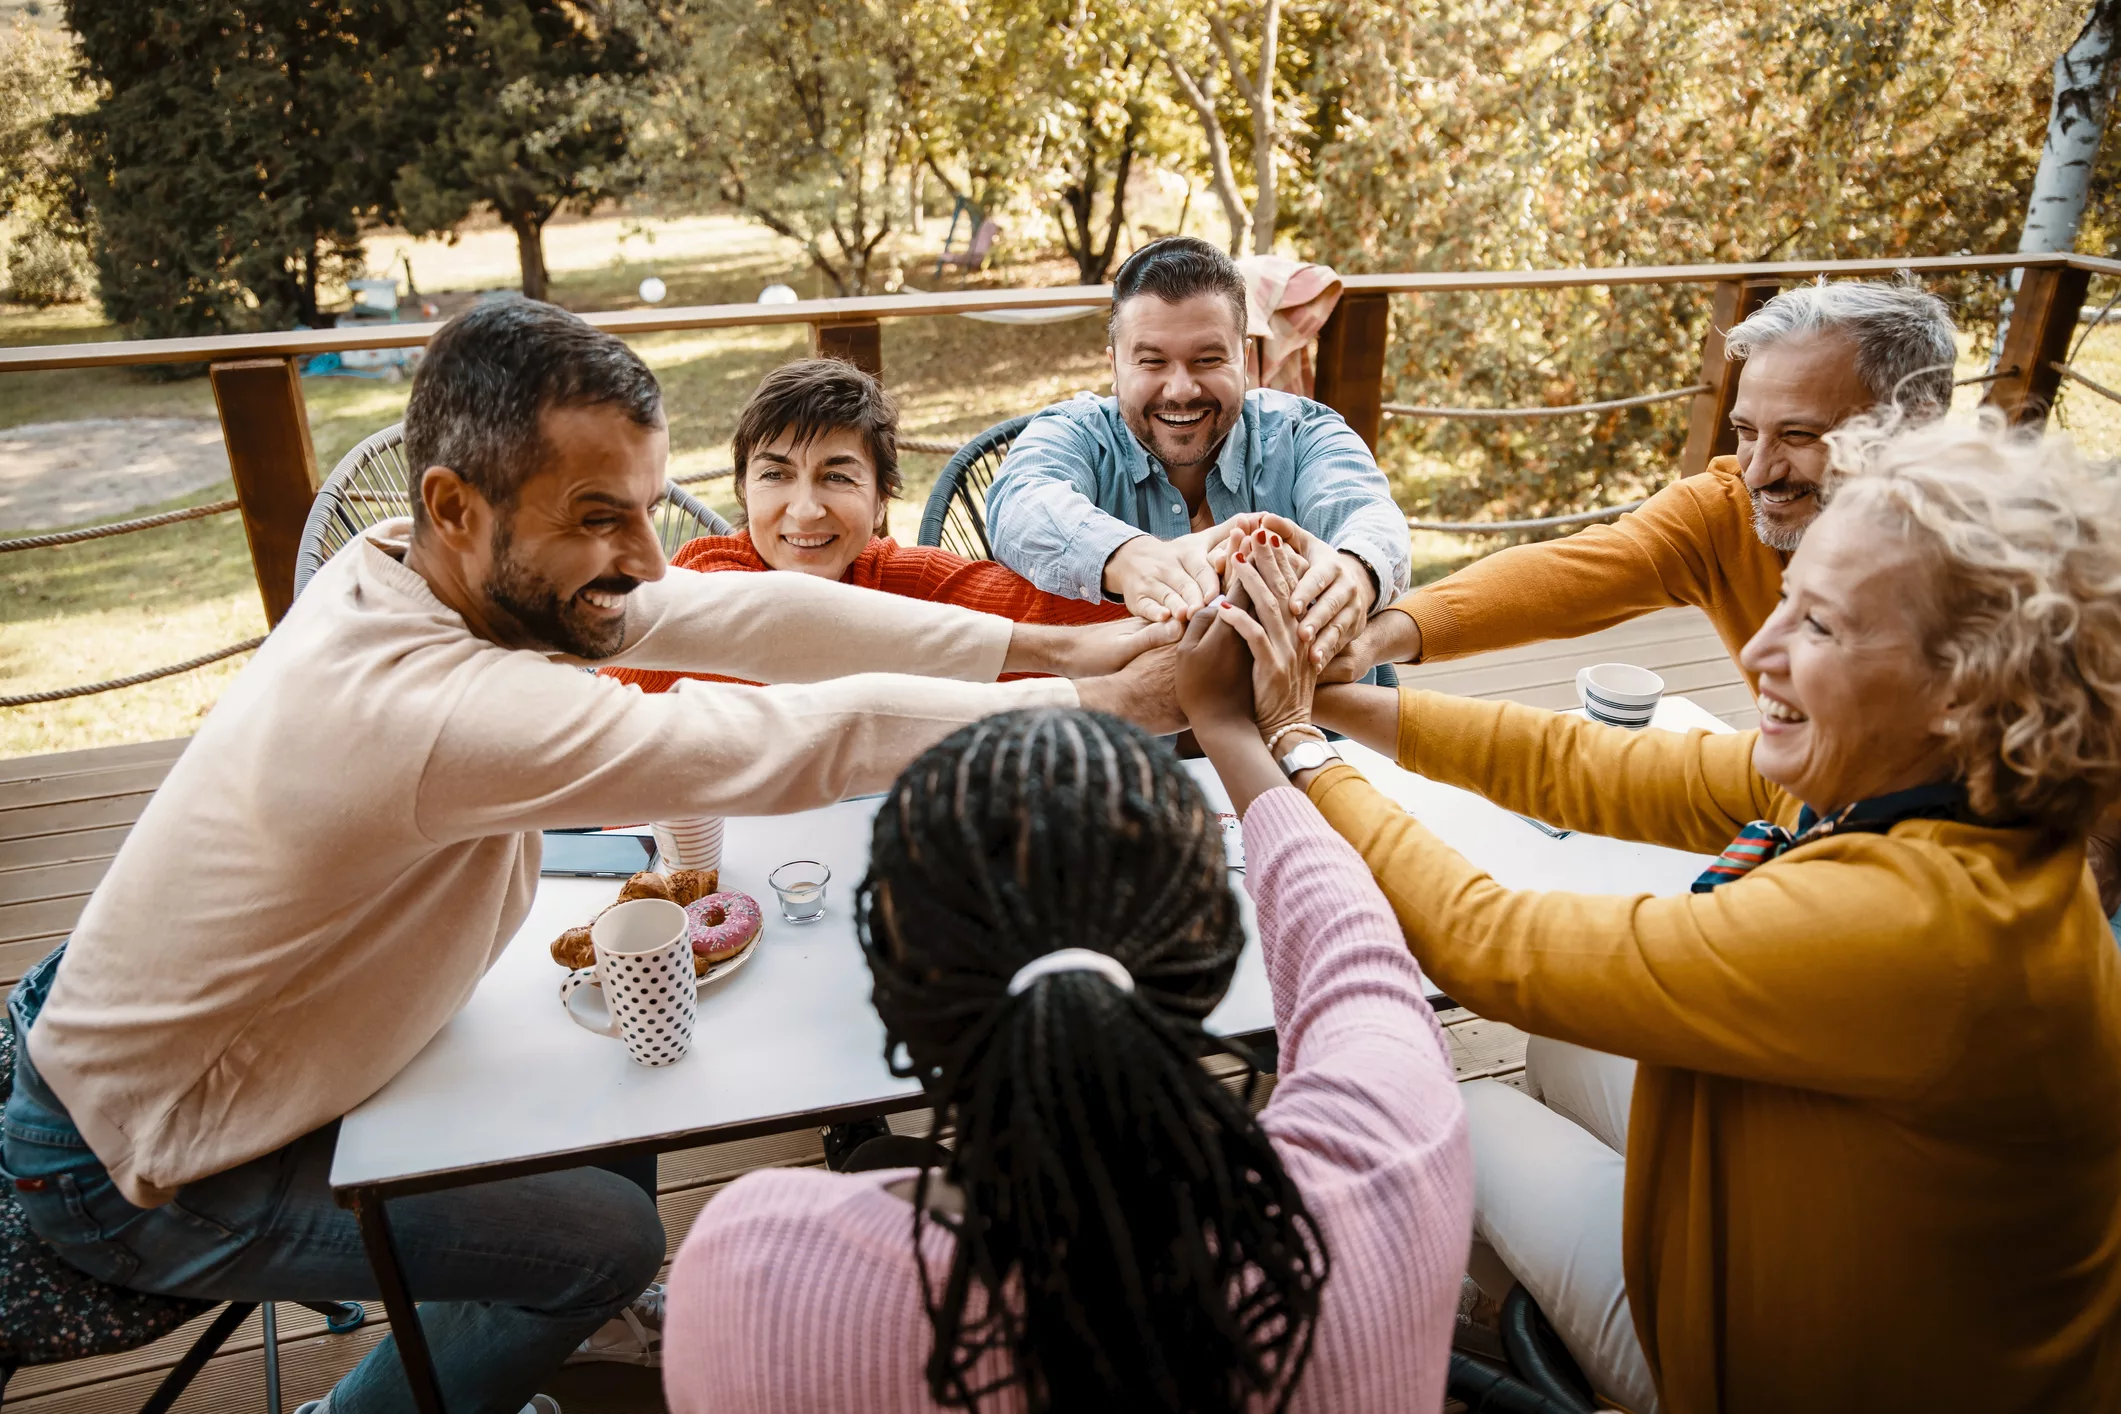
{"x":800,"y":884}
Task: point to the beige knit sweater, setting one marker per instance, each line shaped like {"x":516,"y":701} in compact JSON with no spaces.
{"x":350,"y":840}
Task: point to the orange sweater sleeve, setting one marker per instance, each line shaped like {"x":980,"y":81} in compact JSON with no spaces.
{"x":1821,"y":969}
{"x":1659,"y":556}
{"x":927,"y":572}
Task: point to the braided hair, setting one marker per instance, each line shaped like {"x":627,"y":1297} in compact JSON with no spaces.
{"x":1129,"y":1238}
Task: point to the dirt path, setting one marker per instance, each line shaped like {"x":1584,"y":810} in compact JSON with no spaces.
{"x":55,"y":474}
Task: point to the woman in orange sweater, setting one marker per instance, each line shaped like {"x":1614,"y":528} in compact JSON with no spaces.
{"x":816,"y":451}
{"x":1873,"y":1156}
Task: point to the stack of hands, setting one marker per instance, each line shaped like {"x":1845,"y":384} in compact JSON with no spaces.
{"x":1240,"y":668}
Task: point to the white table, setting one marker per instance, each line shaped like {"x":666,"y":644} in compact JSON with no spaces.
{"x":513,"y":1086}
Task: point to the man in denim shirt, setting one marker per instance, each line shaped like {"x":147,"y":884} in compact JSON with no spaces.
{"x":1124,"y":496}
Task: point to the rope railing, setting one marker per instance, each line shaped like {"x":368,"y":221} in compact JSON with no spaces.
{"x":2097,"y":387}
{"x":116,"y":527}
{"x":1571,"y":410}
{"x":60,"y":694}
{"x":905,"y":444}
{"x":930,"y":444}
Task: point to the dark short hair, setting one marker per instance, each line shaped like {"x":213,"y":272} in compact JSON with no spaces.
{"x":811,"y":397}
{"x":1178,"y":268}
{"x":488,"y":377}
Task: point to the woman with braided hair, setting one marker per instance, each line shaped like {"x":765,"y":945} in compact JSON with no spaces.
{"x":1049,"y":920}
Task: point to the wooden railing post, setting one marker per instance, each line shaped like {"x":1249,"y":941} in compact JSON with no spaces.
{"x":1709,"y":435}
{"x":2043,"y":316}
{"x":1351,"y":361}
{"x":266,"y":430}
{"x":859,"y":341}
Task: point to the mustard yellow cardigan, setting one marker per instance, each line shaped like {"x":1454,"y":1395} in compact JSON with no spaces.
{"x":1874,"y":1156}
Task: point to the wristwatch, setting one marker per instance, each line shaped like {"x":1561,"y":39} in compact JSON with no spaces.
{"x":1308,"y":756}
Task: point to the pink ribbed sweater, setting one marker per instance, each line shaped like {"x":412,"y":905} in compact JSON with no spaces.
{"x":796,"y":1289}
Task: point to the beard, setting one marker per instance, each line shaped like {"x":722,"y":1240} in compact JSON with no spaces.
{"x":1779,"y":535}
{"x":1218,"y":423}
{"x":558,"y":622}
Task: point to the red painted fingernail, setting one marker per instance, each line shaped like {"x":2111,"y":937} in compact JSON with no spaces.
{"x":1274,"y":540}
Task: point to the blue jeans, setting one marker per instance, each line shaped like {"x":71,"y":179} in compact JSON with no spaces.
{"x":515,"y":1274}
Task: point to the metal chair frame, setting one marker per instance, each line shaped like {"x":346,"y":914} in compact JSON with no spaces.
{"x":370,"y":484}
{"x":955,"y":517}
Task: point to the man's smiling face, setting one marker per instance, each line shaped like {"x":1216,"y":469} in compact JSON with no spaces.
{"x":1178,"y":370}
{"x":1790,"y":395}
{"x":579,"y":538}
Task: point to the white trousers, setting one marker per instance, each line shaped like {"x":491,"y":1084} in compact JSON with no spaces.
{"x":1547,"y":1197}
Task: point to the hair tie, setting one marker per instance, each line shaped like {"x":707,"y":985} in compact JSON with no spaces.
{"x":1104,"y":964}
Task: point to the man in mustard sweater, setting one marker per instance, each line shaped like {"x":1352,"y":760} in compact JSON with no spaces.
{"x":352,"y":838}
{"x":1814,"y":357}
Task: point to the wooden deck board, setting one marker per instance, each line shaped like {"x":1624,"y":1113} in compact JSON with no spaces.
{"x":62,"y":818}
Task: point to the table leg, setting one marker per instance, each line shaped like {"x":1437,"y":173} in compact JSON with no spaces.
{"x":398,"y":1304}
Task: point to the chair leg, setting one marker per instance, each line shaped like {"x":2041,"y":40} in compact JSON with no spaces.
{"x":270,"y":1319}
{"x":340,"y":1316}
{"x":202,"y":1350}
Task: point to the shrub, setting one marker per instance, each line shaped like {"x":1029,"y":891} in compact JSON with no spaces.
{"x":45,"y":268}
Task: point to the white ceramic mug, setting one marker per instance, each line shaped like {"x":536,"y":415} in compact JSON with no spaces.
{"x":1619,"y":694}
{"x":644,"y":965}
{"x":689,"y":842}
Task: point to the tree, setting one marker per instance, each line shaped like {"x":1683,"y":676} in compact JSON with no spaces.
{"x":1095,"y":67}
{"x":527,"y":106}
{"x":801,"y":115}
{"x":229,"y":156}
{"x":40,"y":170}
{"x":2085,"y":74}
{"x":1470,"y":134}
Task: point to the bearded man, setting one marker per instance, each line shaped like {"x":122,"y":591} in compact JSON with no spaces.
{"x":1121,"y":497}
{"x":353,"y":837}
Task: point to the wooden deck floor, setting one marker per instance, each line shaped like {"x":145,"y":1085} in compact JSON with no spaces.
{"x":62,"y":818}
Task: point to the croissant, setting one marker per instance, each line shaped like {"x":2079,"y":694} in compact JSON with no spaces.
{"x":648,"y":884}
{"x":573,"y":948}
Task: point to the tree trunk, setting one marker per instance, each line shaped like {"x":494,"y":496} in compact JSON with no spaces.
{"x":530,"y":251}
{"x":2084,"y":86}
{"x":1203,"y":105}
{"x":1267,"y":209}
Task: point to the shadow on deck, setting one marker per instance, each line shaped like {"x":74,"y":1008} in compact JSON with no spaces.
{"x":62,"y":818}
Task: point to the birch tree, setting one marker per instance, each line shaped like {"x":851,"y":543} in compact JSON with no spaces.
{"x":2084,"y":87}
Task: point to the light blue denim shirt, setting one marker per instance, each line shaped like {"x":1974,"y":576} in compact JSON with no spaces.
{"x":1077,"y":485}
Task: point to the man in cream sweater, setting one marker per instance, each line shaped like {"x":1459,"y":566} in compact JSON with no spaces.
{"x":352,"y":838}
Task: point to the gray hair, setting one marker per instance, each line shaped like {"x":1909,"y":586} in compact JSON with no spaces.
{"x":1903,"y":335}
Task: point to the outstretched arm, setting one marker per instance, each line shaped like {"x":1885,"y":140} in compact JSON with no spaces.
{"x":785,"y":627}
{"x":1830,"y":968}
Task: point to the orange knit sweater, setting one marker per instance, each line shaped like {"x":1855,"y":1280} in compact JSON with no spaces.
{"x":909,"y":571}
{"x":1691,"y":543}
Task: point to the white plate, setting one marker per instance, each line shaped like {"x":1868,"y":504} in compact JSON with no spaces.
{"x":587,"y":1001}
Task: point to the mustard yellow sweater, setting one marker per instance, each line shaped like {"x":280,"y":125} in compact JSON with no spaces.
{"x":1874,"y":1156}
{"x":1691,"y":543}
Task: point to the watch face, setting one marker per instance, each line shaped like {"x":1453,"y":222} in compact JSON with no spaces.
{"x":1308,"y":756}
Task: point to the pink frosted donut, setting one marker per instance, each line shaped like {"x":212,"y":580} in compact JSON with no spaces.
{"x":723,"y":925}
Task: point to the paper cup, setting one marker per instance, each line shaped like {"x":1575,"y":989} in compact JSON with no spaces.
{"x":689,"y":842}
{"x":1619,"y":694}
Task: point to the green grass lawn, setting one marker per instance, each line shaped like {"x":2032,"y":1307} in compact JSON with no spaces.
{"x":88,"y":612}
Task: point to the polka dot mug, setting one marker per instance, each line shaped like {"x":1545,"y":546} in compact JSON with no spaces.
{"x":644,"y":965}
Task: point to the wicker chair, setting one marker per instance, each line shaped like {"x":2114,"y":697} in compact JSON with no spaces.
{"x":369,"y":485}
{"x":956,"y":516}
{"x":50,"y":1312}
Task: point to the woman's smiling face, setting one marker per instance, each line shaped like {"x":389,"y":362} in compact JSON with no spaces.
{"x":1850,"y":705}
{"x":812,"y":508}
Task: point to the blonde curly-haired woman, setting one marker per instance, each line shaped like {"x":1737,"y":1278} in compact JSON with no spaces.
{"x":1873,"y":1150}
